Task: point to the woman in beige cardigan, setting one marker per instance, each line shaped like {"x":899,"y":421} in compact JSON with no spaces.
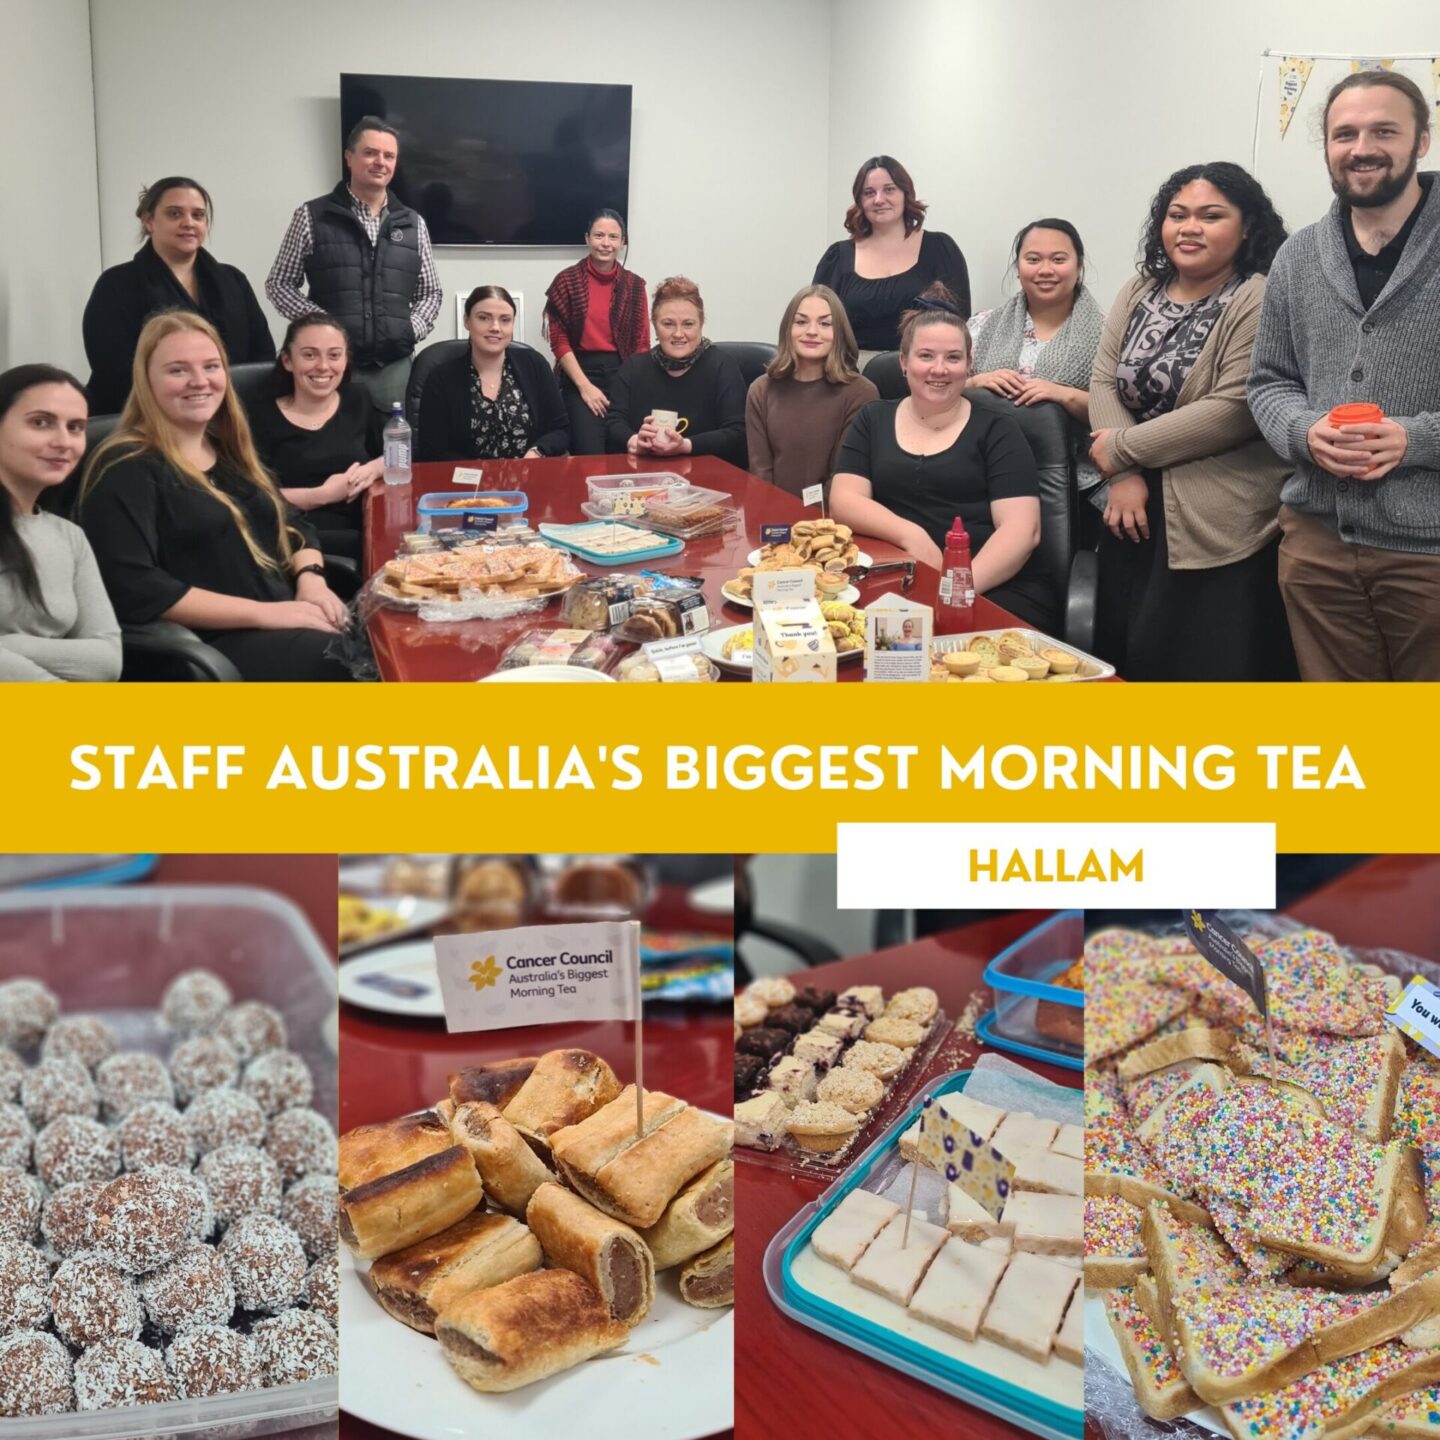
{"x":1188,"y":586}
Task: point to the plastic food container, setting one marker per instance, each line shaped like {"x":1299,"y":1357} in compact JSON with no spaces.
{"x":53,"y":872}
{"x":602,"y":603}
{"x":665,"y":614}
{"x":586,"y":649}
{"x":1031,"y":1012}
{"x":449,"y":510}
{"x":629,"y":494}
{"x":640,"y":668}
{"x":111,"y":953}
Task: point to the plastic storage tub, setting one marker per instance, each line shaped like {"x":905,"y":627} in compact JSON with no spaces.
{"x":608,"y":495}
{"x":50,"y":872}
{"x":1020,"y":977}
{"x":438,"y":511}
{"x":111,"y":953}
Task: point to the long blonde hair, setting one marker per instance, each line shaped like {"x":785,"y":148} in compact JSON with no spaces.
{"x":143,"y":429}
{"x":840,"y":363}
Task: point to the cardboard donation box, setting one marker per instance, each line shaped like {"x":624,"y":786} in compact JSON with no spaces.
{"x":792,"y":642}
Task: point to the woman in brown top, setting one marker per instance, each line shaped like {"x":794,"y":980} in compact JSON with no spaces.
{"x":797,"y":412}
{"x":1189,"y":586}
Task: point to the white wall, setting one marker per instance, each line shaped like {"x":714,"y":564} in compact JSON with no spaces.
{"x":246,"y":99}
{"x":1077,"y":108}
{"x":50,"y":238}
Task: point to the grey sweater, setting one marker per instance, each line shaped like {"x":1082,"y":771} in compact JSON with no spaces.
{"x":1317,"y":347}
{"x":76,"y":636}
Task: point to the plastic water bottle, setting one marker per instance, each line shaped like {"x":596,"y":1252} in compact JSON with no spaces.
{"x":397,"y":447}
{"x":957,"y":577}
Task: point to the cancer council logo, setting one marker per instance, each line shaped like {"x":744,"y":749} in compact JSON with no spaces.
{"x":483,"y":976}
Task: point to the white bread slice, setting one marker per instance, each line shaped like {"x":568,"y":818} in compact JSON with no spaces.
{"x":1159,"y":1385}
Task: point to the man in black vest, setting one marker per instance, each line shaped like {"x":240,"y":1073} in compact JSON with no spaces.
{"x":368,"y":262}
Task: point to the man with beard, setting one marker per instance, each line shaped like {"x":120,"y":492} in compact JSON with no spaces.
{"x":1352,"y":315}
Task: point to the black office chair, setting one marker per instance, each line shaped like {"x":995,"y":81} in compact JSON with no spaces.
{"x":426,"y":361}
{"x":1049,"y":433}
{"x":251,"y":382}
{"x":807,"y":949}
{"x":752,"y":356}
{"x":163,"y":650}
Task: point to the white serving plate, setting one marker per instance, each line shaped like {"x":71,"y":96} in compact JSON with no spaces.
{"x":411,"y":914}
{"x":848,"y":596}
{"x":397,"y":980}
{"x":548,"y":675}
{"x":672,"y":1380}
{"x":753,"y":558}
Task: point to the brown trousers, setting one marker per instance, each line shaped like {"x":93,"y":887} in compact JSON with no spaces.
{"x":1358,"y":612}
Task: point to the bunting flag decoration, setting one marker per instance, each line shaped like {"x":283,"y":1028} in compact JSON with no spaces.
{"x":1370,"y":62}
{"x":1294,"y":73}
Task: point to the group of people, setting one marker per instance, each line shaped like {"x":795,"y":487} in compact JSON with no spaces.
{"x":1247,"y":527}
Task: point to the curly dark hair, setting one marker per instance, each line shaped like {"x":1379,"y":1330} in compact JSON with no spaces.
{"x":1264,"y":229}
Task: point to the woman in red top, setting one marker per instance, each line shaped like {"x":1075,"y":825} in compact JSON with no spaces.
{"x":598,"y":318}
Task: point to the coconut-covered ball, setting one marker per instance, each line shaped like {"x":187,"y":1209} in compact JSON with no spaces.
{"x":24,"y":1287}
{"x":204,"y":1062}
{"x":211,"y":1360}
{"x":266,"y":1262}
{"x":21,"y":1196}
{"x":309,"y":1210}
{"x":85,"y":1038}
{"x":17,"y":1137}
{"x":296,"y":1346}
{"x":278,"y":1080}
{"x":58,"y":1087}
{"x":121,"y":1372}
{"x":194,"y":1002}
{"x":131,"y":1079}
{"x":93,"y":1300}
{"x":12,"y":1072}
{"x":224,"y":1117}
{"x":36,"y":1375}
{"x":202,"y":1216}
{"x":65,"y":1220}
{"x":321,"y":1291}
{"x":144,"y":1220}
{"x":76,"y":1148}
{"x":242,"y":1180}
{"x":251,"y":1028}
{"x":27,"y":1010}
{"x":302,"y":1142}
{"x":193,"y":1289}
{"x":154,"y":1134}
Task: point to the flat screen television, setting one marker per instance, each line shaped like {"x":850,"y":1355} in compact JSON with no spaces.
{"x":501,"y":162}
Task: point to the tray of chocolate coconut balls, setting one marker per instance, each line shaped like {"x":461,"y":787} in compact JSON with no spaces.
{"x":167,"y":1166}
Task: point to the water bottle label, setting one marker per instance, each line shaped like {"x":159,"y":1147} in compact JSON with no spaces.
{"x":397,"y":455}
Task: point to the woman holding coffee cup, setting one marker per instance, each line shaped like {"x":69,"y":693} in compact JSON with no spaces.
{"x":683,"y":397}
{"x":499,"y":401}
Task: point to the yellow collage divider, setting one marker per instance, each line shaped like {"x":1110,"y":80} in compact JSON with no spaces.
{"x":702,"y":767}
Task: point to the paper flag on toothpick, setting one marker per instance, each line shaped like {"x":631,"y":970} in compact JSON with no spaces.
{"x":1416,"y":1012}
{"x":1370,"y":62}
{"x":963,"y":1158}
{"x":1294,"y":72}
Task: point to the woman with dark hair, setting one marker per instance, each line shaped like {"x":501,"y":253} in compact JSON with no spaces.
{"x":909,"y":467}
{"x":318,"y":435}
{"x":171,"y":270}
{"x":56,"y":621}
{"x":890,"y":257}
{"x":797,"y":412}
{"x":597,"y":318}
{"x":1188,"y":586}
{"x":188,"y":526}
{"x":497,"y":402}
{"x":683,"y":374}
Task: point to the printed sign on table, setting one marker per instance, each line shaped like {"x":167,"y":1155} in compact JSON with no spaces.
{"x":1416,"y":1013}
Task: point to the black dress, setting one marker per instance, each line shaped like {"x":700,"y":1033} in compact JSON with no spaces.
{"x":989,"y":461}
{"x":157,"y":536}
{"x":300,"y":459}
{"x":125,"y":297}
{"x":710,"y":395}
{"x":874,"y":307}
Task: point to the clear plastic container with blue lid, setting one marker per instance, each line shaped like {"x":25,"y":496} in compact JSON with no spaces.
{"x":447,"y":510}
{"x":1039,"y":1009}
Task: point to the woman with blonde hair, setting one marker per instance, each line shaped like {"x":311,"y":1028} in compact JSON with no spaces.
{"x":188,"y":526}
{"x":797,"y":412}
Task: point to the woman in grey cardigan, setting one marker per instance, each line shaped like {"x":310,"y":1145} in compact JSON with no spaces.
{"x":1188,"y":586}
{"x":56,"y":622}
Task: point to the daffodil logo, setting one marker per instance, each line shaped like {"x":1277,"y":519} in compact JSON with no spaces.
{"x":482,"y":976}
{"x":1198,"y":921}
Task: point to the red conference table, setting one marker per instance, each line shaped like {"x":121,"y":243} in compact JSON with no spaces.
{"x":408,"y":648}
{"x":789,"y":1380}
{"x":394,"y":1064}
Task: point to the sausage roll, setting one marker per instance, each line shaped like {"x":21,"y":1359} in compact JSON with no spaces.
{"x":702,"y":1213}
{"x":509,"y":1168}
{"x":497,"y":1082}
{"x":370,"y":1151}
{"x":564,"y":1088}
{"x":709,"y":1279}
{"x":412,"y":1204}
{"x":611,"y":1256}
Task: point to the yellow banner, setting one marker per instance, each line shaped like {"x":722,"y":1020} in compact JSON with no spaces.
{"x":717,"y":768}
{"x":1294,"y":72}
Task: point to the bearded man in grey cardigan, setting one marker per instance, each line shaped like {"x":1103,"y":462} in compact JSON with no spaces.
{"x":1352,"y":315}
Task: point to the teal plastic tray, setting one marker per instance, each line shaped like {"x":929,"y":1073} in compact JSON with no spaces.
{"x":556,"y":535}
{"x":966,"y":1383}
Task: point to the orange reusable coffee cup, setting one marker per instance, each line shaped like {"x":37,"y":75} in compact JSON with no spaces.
{"x":1360,"y":413}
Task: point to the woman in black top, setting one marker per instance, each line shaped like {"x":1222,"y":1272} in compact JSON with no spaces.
{"x":890,"y":258}
{"x":499,"y":402}
{"x":187,"y":525}
{"x":172,"y":270}
{"x":907,"y":468}
{"x":683,"y":373}
{"x":319,"y":436}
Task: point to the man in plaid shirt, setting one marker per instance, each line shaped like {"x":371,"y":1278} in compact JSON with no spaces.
{"x":368,"y":262}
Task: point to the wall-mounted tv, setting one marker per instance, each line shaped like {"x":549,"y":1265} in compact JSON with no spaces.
{"x":501,"y":162}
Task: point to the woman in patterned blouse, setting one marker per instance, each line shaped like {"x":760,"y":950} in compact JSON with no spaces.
{"x":498,"y":402}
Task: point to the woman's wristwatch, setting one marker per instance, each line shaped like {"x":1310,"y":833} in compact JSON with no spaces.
{"x":309,"y":570}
